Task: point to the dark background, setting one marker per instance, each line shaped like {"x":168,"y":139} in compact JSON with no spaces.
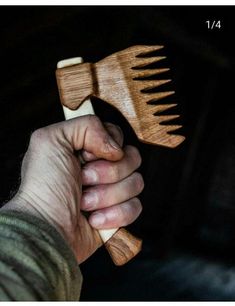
{"x":188,"y":221}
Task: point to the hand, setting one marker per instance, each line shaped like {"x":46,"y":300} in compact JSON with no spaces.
{"x":52,"y":179}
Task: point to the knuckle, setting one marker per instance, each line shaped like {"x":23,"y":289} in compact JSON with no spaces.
{"x":94,"y":120}
{"x":37,"y":136}
{"x":136,"y":203}
{"x":37,"y":133}
{"x":136,"y":207}
{"x":139,"y":181}
{"x":126,"y":212}
{"x":131,"y":210}
{"x":135,"y":155}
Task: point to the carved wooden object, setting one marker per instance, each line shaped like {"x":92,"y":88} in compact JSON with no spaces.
{"x":121,"y":80}
{"x":121,"y":245}
{"x":116,"y":80}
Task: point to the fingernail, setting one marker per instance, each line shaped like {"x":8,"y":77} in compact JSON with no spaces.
{"x":114,"y":144}
{"x":90,"y":176}
{"x":97,"y":219}
{"x":90,"y":199}
{"x":119,"y":129}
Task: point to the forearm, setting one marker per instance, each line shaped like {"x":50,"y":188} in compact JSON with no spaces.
{"x":35,"y":261}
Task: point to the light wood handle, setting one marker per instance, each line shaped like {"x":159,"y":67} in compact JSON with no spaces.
{"x":121,"y":245}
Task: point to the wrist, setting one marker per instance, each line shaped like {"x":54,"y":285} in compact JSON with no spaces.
{"x":25,"y":203}
{"x":22,"y":202}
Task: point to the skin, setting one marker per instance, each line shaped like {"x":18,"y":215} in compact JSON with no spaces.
{"x":55,"y":187}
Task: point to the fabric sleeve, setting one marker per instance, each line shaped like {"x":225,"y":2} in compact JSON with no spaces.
{"x":36,"y":264}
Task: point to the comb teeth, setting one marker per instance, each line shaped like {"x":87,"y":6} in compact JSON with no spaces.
{"x":150,"y":84}
{"x":144,"y":73}
{"x":145,"y":61}
{"x":156,"y":96}
{"x":160,"y":133}
{"x":166,"y":118}
{"x":171,"y":128}
{"x":143,"y":50}
{"x":153,"y":128}
{"x":160,"y":108}
{"x":116,"y":80}
{"x":154,"y":110}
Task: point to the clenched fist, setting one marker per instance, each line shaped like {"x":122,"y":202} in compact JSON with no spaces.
{"x":55,"y":187}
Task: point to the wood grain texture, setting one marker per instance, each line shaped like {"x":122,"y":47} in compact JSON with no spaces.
{"x":123,"y":246}
{"x":75,"y":84}
{"x":115,"y":80}
{"x":122,"y":239}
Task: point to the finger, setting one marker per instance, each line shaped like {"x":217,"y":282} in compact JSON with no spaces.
{"x":102,"y":196}
{"x":105,"y":172}
{"x":116,"y":216}
{"x":114,"y":131}
{"x":88,"y":133}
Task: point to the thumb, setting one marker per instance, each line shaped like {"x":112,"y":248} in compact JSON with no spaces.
{"x":88,"y":133}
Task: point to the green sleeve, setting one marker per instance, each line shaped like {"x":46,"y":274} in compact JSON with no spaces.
{"x":36,"y":264}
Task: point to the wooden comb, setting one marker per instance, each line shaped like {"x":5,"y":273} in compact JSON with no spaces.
{"x":115,"y":80}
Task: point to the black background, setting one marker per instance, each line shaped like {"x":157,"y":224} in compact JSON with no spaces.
{"x":188,"y":221}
